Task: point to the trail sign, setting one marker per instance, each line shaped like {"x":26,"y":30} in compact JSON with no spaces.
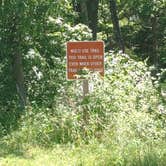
{"x":84,"y":54}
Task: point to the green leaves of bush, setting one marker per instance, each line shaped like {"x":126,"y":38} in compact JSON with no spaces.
{"x":123,"y":103}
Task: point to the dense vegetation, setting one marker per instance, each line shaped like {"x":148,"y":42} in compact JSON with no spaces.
{"x":121,"y":121}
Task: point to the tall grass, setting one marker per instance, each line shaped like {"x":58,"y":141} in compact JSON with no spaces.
{"x":118,"y":123}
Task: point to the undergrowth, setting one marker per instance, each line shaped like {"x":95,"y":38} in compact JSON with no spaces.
{"x":120,"y":122}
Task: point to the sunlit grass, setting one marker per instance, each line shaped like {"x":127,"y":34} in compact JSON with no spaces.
{"x":59,"y":156}
{"x":105,"y":153}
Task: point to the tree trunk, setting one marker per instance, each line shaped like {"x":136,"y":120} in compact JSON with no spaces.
{"x":116,"y":27}
{"x":155,"y":57}
{"x":88,"y":13}
{"x":84,"y":12}
{"x":19,"y":78}
{"x":92,"y":6}
{"x":17,"y":66}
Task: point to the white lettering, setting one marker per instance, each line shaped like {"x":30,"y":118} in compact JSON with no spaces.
{"x":94,"y":50}
{"x":72,"y":57}
{"x":75,"y":50}
{"x":73,"y":63}
{"x":96,"y":63}
{"x":82,"y":57}
{"x":97,"y":57}
{"x":84,"y":63}
{"x":72,"y":70}
{"x":85,"y":50}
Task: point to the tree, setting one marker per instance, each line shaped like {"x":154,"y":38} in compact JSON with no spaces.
{"x":116,"y":27}
{"x":12,"y":13}
{"x":92,"y":6}
{"x":145,"y":30}
{"x":88,"y":14}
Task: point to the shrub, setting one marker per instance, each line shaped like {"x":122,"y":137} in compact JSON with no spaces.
{"x":124,"y":103}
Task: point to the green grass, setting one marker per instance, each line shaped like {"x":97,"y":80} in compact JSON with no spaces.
{"x":105,"y":153}
{"x":134,"y":139}
{"x":59,"y":156}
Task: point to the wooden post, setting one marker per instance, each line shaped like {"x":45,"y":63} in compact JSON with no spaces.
{"x":85,"y":87}
{"x":85,"y":92}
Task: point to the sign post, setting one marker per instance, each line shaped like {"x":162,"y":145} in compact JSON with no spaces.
{"x":84,"y":54}
{"x":85,"y":87}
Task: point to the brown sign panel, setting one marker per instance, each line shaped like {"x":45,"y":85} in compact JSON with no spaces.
{"x":86,"y":54}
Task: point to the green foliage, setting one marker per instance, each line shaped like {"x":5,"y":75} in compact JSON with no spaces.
{"x":121,"y":121}
{"x":96,"y":153}
{"x":142,"y":25}
{"x":43,"y":80}
{"x":9,"y":110}
{"x":124,"y":103}
{"x":42,"y":29}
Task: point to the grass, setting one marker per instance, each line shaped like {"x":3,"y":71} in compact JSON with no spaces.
{"x":133,"y":139}
{"x":123,"y":127}
{"x":104,"y":153}
{"x":59,"y":156}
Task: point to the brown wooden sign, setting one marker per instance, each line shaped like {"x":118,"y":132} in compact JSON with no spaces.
{"x":84,"y":54}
